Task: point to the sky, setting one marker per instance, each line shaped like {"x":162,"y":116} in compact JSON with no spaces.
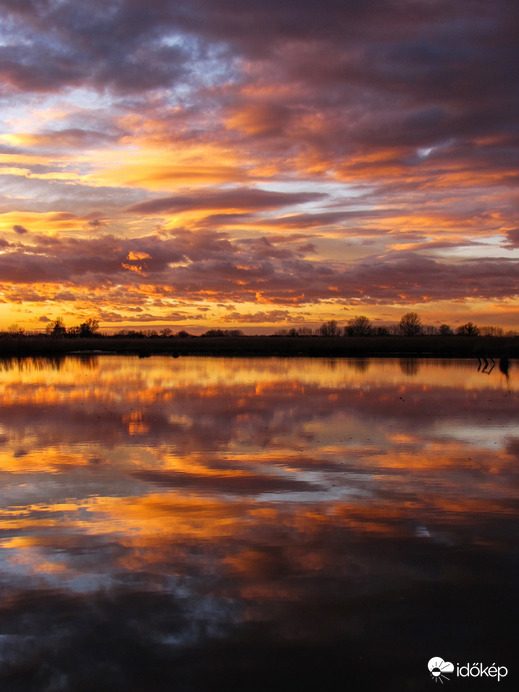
{"x":224,"y":163}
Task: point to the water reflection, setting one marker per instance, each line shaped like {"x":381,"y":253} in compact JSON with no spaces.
{"x":219,"y":523}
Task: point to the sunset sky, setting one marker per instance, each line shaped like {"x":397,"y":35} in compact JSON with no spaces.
{"x":228,"y":163}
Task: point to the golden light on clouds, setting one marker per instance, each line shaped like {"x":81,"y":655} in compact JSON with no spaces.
{"x":266,"y":152}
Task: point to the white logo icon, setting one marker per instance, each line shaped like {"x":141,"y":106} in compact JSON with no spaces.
{"x":437,"y":667}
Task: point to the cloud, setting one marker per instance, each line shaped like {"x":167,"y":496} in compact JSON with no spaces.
{"x":235,"y":125}
{"x":270,"y":316}
{"x":21,"y":230}
{"x":513,"y":237}
{"x":260,"y":119}
{"x":192,"y":265}
{"x":69,"y":138}
{"x":245,"y":199}
{"x":62,"y":45}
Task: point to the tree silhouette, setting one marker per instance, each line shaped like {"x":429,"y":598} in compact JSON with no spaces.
{"x":359,"y":326}
{"x":89,"y":327}
{"x":330,"y":328}
{"x":410,"y":324}
{"x":57,"y":328}
{"x":468,"y":329}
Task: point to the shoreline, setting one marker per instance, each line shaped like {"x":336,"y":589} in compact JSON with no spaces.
{"x":267,"y":346}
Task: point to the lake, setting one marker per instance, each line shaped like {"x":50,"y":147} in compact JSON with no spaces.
{"x":242,"y":524}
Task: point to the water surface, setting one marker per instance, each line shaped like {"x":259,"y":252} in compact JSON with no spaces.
{"x":223,"y":524}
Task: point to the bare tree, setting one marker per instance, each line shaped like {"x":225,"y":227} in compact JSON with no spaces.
{"x":491,"y":331}
{"x":429,"y":329}
{"x":359,"y":326}
{"x":468,"y":329}
{"x":410,"y":324}
{"x":15,"y":330}
{"x":57,"y":328}
{"x":89,"y":327}
{"x":330,"y":328}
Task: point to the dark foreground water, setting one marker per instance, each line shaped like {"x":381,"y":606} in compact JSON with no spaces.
{"x":209,"y":524}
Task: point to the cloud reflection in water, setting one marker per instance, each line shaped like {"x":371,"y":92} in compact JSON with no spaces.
{"x":208,"y":524}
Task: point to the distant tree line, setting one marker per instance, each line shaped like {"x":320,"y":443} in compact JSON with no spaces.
{"x":223,"y":332}
{"x":88,"y":328}
{"x":410,"y":324}
{"x":182,"y":334}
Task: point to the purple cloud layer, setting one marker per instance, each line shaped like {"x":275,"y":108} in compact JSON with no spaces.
{"x":394,"y":123}
{"x":188,"y":265}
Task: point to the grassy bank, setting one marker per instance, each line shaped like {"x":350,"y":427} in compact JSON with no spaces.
{"x":264,"y":346}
